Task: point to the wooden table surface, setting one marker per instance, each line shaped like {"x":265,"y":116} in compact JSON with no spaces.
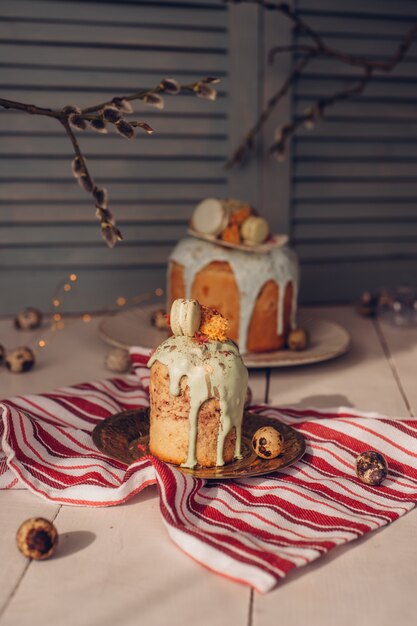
{"x":117,"y":566}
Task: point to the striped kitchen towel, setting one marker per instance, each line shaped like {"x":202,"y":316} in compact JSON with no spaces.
{"x":253,"y":530}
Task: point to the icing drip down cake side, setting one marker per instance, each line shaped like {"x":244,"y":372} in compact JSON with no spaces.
{"x":256,"y":292}
{"x":197,"y":391}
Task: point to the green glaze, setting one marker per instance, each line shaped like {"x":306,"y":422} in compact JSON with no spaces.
{"x":214,"y":370}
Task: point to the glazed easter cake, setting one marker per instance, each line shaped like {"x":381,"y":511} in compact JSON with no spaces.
{"x":197,"y":389}
{"x":256,"y":291}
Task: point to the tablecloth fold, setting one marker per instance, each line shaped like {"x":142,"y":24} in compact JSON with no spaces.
{"x":253,"y":530}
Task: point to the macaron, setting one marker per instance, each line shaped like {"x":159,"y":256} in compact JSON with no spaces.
{"x":254,"y":230}
{"x":210,"y":217}
{"x":185,"y":317}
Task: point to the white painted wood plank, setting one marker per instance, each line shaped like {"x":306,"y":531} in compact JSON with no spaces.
{"x":402,"y":348}
{"x":16,"y":506}
{"x":118,"y":566}
{"x":361,"y":379}
{"x":73,"y":355}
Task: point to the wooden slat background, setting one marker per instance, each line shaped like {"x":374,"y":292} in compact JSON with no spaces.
{"x":353,"y":213}
{"x":347,"y":195}
{"x":57,"y":53}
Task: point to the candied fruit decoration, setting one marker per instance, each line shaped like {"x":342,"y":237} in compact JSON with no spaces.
{"x":213,"y":325}
{"x":231,"y":234}
{"x":240,"y":215}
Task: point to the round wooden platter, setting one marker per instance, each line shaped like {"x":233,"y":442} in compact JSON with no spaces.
{"x":133,"y":327}
{"x":125,"y":437}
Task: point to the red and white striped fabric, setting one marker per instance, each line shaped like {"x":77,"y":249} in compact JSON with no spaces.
{"x":253,"y":530}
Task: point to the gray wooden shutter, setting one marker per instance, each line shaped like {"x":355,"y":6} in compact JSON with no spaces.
{"x":54,"y":53}
{"x":354,"y":201}
{"x":347,"y":193}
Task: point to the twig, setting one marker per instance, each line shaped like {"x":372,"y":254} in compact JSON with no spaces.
{"x":99,"y":117}
{"x":317,"y":49}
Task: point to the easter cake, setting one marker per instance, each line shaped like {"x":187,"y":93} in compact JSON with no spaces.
{"x":198,"y":384}
{"x":256,"y":291}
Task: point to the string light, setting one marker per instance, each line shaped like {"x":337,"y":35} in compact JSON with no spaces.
{"x":57,"y":323}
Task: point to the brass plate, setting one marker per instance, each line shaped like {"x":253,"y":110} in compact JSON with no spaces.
{"x":125,"y":437}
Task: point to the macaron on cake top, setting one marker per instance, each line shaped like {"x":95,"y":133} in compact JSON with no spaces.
{"x":200,"y":350}
{"x":230,"y":220}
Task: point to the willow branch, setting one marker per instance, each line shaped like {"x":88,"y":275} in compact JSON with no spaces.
{"x":102,"y":116}
{"x":247,"y":143}
{"x":316,"y":49}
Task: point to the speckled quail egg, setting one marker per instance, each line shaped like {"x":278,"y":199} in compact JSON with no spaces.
{"x":298,"y":339}
{"x":371,"y":467}
{"x":20,"y":360}
{"x":117,"y":360}
{"x":267,"y":442}
{"x":28,"y":319}
{"x":159,"y":319}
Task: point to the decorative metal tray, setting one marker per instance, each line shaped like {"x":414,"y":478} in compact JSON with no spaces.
{"x":125,"y":437}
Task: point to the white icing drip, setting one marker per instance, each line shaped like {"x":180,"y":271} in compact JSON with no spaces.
{"x":251,"y":271}
{"x":212,"y":369}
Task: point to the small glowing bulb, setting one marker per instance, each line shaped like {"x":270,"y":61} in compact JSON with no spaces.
{"x":159,"y":292}
{"x":42,"y":343}
{"x":60,"y":325}
{"x":56,"y":317}
{"x":73,"y":277}
{"x":121,"y":301}
{"x":67,"y":287}
{"x":86,"y":317}
{"x":56,"y":302}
